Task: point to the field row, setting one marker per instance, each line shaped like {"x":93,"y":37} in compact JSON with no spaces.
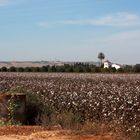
{"x":94,"y":97}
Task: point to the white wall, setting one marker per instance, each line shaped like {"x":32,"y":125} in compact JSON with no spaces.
{"x":116,"y":66}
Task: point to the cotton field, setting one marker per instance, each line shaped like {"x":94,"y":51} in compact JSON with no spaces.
{"x":98,"y":97}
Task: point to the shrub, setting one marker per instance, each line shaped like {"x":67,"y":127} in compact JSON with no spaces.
{"x":4,"y":69}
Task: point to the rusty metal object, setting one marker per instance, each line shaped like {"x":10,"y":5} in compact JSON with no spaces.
{"x":19,"y":109}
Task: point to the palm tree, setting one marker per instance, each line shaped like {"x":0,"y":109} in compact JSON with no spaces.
{"x":101,"y":56}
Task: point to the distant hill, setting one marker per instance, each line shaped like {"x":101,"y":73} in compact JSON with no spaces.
{"x":9,"y":64}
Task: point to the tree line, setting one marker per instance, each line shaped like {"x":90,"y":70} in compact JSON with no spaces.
{"x":77,"y":67}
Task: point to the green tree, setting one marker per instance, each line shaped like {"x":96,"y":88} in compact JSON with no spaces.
{"x":105,"y":70}
{"x":120,"y":70}
{"x":20,"y":69}
{"x":44,"y":69}
{"x":60,"y":69}
{"x":28,"y":69}
{"x":96,"y":70}
{"x":4,"y":69}
{"x":12,"y":69}
{"x":87,"y":68}
{"x":128,"y":69}
{"x":113,"y":70}
{"x":36,"y":69}
{"x":101,"y":56}
{"x":137,"y":68}
{"x":53,"y":68}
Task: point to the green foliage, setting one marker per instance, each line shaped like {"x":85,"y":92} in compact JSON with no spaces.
{"x":135,"y":135}
{"x":113,"y":70}
{"x":44,"y":69}
{"x":2,"y":122}
{"x":60,"y":69}
{"x":12,"y":106}
{"x":17,"y":89}
{"x":12,"y":69}
{"x":77,"y":67}
{"x":105,"y":70}
{"x":128,"y":69}
{"x":35,"y":107}
{"x":35,"y":69}
{"x":28,"y":69}
{"x":53,"y":69}
{"x":120,"y":70}
{"x":68,"y":120}
{"x":137,"y":68}
{"x":20,"y":69}
{"x":4,"y":69}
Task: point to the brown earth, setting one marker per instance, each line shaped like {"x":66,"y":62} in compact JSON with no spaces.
{"x":42,"y":133}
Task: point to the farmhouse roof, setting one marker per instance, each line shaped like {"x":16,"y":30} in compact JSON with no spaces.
{"x":107,"y":61}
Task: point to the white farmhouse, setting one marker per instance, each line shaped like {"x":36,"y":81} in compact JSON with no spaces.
{"x":116,"y":66}
{"x":108,"y":64}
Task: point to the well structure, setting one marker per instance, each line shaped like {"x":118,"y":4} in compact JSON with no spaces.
{"x":13,"y":106}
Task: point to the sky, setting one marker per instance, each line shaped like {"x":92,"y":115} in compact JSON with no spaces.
{"x":70,"y":30}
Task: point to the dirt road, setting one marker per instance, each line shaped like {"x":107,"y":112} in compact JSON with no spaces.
{"x":39,"y":133}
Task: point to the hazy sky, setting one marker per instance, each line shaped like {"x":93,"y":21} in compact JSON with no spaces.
{"x":70,"y":30}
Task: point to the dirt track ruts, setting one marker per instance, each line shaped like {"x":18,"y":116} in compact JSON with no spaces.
{"x":41,"y":133}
